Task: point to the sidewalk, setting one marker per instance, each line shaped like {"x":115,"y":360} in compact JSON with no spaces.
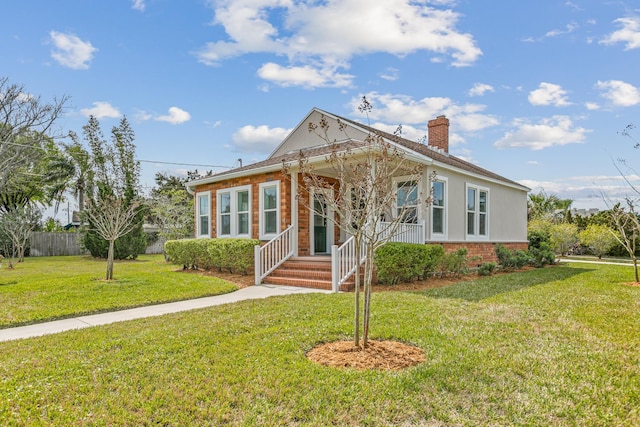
{"x":250,"y":292}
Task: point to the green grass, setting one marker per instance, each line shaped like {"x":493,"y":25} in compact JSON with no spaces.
{"x":47,"y":288}
{"x":555,"y":346}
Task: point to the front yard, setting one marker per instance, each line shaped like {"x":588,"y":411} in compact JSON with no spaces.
{"x":554,"y":346}
{"x":48,"y":288}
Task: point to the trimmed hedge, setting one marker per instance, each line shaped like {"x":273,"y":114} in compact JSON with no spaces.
{"x":404,"y":262}
{"x":234,"y":255}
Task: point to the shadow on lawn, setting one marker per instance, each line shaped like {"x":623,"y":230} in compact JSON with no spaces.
{"x":487,"y":287}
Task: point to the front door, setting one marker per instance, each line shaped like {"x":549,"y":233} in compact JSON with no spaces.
{"x":319,"y":225}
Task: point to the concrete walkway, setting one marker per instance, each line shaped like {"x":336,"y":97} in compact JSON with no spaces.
{"x":250,"y":292}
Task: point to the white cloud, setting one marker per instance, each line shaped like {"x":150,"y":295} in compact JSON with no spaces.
{"x":101,"y":110}
{"x":70,"y":51}
{"x":549,"y":94}
{"x":176,"y":116}
{"x":305,"y":76}
{"x":619,"y":93}
{"x":390,"y":74}
{"x":403,"y":109}
{"x":569,"y":28}
{"x":479,"y":89}
{"x":138,"y":5}
{"x":258,"y":139}
{"x":592,"y":106}
{"x":558,"y":130}
{"x":326,"y":35}
{"x":628,"y":34}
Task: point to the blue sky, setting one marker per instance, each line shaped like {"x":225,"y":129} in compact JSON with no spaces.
{"x":536,"y":91}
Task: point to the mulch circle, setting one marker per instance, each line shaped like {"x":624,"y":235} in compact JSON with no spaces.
{"x":383,"y":355}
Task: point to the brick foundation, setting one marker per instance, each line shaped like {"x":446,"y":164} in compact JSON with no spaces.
{"x":480,"y":252}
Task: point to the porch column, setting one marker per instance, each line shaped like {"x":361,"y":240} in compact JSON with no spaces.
{"x":294,"y":211}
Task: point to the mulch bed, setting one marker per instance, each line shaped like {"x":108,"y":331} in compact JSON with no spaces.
{"x":384,"y":355}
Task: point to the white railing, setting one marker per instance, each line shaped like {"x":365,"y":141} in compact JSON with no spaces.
{"x":272,"y":254}
{"x":404,"y":232}
{"x":345,"y":260}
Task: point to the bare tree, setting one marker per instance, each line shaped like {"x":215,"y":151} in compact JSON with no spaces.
{"x":365,"y":200}
{"x":112,"y":217}
{"x":627,"y":224}
{"x":26,"y":123}
{"x":16,"y":226}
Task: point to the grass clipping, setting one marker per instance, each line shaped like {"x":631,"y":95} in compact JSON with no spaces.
{"x":383,"y":355}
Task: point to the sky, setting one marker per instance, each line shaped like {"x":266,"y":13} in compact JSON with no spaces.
{"x":537,"y":91}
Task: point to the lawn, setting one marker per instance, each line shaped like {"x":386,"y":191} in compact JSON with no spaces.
{"x":554,"y":346}
{"x":47,"y":288}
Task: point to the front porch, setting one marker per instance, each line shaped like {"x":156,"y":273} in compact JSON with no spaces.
{"x":277,"y":261}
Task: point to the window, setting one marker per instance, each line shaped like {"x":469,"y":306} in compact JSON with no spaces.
{"x":203,"y":214}
{"x":269,"y":209}
{"x":438,"y":207}
{"x":477,"y":212}
{"x":407,"y":201}
{"x":234,"y":212}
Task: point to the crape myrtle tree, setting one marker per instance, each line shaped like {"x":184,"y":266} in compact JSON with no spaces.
{"x":113,"y":213}
{"x":368,"y":205}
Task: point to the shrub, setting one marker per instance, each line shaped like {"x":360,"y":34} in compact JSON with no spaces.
{"x":234,"y":255}
{"x":511,"y":259}
{"x":563,"y":237}
{"x":487,"y":269}
{"x":540,"y":250}
{"x":453,"y":264}
{"x":404,"y":262}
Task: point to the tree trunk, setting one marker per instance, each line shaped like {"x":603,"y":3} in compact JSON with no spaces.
{"x":356,"y":317}
{"x":635,"y":268}
{"x":368,"y":278}
{"x":110,"y":260}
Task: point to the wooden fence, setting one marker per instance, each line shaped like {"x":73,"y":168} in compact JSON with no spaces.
{"x":58,"y":244}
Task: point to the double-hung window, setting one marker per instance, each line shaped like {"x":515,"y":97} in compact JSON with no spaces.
{"x":269,"y":209}
{"x":407,"y":201}
{"x":203,"y":214}
{"x":439,"y":208}
{"x":234,"y":212}
{"x":477,"y":212}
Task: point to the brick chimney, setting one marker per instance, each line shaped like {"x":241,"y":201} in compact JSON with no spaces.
{"x":439,"y":133}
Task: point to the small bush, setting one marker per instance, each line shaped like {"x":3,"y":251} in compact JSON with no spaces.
{"x":540,"y":251}
{"x":404,"y":262}
{"x":487,"y":269}
{"x":234,"y":255}
{"x":453,"y":264}
{"x":511,"y":260}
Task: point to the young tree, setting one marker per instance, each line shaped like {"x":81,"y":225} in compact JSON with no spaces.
{"x":171,"y":208}
{"x":563,"y":237}
{"x":112,"y":218}
{"x":16,"y":226}
{"x":627,"y":224}
{"x":368,"y":206}
{"x":600,"y":239}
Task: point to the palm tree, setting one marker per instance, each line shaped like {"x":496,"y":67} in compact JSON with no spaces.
{"x":548,"y":207}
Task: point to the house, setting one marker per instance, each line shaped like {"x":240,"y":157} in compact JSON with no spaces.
{"x":473,"y":207}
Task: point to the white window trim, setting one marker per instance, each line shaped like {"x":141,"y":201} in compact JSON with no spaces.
{"x":418,"y":181}
{"x":233,"y":192}
{"x":261,"y":222}
{"x":445,"y":233}
{"x":476,"y":236}
{"x":199,"y":197}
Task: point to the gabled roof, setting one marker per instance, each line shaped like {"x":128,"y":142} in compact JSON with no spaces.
{"x":437,"y":157}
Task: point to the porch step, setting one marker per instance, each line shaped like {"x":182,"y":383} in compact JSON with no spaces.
{"x":308,"y":272}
